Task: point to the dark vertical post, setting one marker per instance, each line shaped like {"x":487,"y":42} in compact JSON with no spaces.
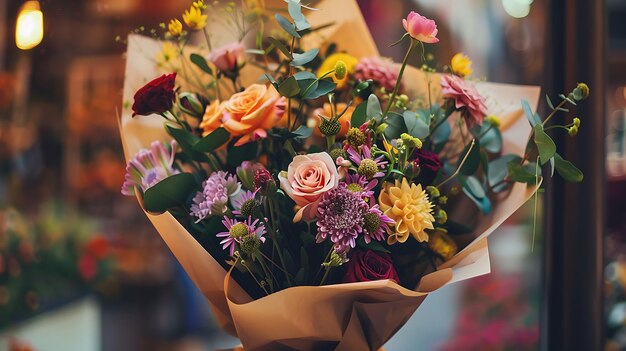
{"x":575,"y":222}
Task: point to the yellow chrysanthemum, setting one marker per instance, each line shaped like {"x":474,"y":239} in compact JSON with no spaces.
{"x":168,"y":53}
{"x":330,"y":63}
{"x":408,"y":205}
{"x":175,"y":28}
{"x":194,"y":19}
{"x":461,"y":65}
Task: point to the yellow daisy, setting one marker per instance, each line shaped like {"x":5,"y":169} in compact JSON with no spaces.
{"x":194,"y":19}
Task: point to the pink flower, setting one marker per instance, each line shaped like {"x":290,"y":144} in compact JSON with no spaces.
{"x":229,"y":57}
{"x":466,"y":98}
{"x":421,"y":28}
{"x":306,"y":180}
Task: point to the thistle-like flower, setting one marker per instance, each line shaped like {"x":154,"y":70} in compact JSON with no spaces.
{"x":149,"y":167}
{"x":367,"y":165}
{"x":248,"y":231}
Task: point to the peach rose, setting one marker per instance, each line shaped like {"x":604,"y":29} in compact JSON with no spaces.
{"x":306,"y":180}
{"x":250,"y":113}
{"x":315,"y":120}
{"x":212,"y":118}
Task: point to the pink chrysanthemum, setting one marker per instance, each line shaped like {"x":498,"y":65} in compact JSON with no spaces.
{"x":359,"y":184}
{"x":375,"y":224}
{"x":245,"y":203}
{"x":216,"y":191}
{"x":237,"y":232}
{"x":381,"y":70}
{"x":367,"y":166}
{"x":465,"y":97}
{"x":149,"y":167}
{"x":340,"y":217}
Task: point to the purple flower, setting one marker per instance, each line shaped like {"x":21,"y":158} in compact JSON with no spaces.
{"x":429,"y":165}
{"x":238,"y":232}
{"x":367,"y":166}
{"x":359,"y":184}
{"x":340,"y":217}
{"x":375,"y":224}
{"x":216,"y":191}
{"x":149,"y":166}
{"x":245,"y":202}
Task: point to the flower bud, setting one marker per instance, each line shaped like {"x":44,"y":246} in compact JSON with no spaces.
{"x":336,"y":153}
{"x":175,"y":28}
{"x":410,"y":141}
{"x":264,"y":181}
{"x":576,"y":121}
{"x":381,"y":128}
{"x":191,"y":104}
{"x":581,"y":92}
{"x":573,"y":130}
{"x":432,"y":191}
{"x":330,"y":127}
{"x":246,"y":173}
{"x":340,"y":70}
{"x":493,"y":120}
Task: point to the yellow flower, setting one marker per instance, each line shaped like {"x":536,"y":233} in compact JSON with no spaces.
{"x":493,"y":120}
{"x":461,"y":65}
{"x":168,"y":53}
{"x":441,"y":243}
{"x":391,"y":150}
{"x":175,"y":28}
{"x":330,"y":64}
{"x":200,"y":5}
{"x":194,"y":19}
{"x":408,"y":205}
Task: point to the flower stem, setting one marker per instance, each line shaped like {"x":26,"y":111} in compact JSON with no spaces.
{"x":399,"y":81}
{"x":275,"y":241}
{"x":460,"y":165}
{"x":325,"y":276}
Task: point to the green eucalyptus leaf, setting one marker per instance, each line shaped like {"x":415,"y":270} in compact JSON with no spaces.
{"x":187,"y":141}
{"x":305,"y":57}
{"x":499,"y":169}
{"x":295,"y":11}
{"x":323,"y":87}
{"x":304,"y":75}
{"x":289,"y":27}
{"x":170,"y":192}
{"x":545,"y":144}
{"x":280,"y":46}
{"x":213,"y":141}
{"x":549,"y":101}
{"x":200,"y":61}
{"x":373,"y":107}
{"x":473,"y":188}
{"x":289,"y":87}
{"x":532,"y":117}
{"x":567,"y":170}
{"x":303,"y":132}
{"x":523,"y":174}
{"x":359,"y":116}
{"x":473,"y":159}
{"x":395,"y":125}
{"x":441,"y":135}
{"x":415,"y":126}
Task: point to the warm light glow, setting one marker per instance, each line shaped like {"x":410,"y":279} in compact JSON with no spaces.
{"x":29,"y":26}
{"x":517,"y":8}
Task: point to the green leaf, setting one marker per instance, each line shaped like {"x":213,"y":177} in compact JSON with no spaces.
{"x":303,"y":132}
{"x":238,"y":154}
{"x":373,"y":107}
{"x":522,"y":174}
{"x":304,"y":75}
{"x":286,"y":25}
{"x":289,"y":87}
{"x":499,"y":169}
{"x":187,"y":141}
{"x":545,"y":144}
{"x":567,"y":99}
{"x":395,"y":125}
{"x":324,"y":87}
{"x":295,"y":11}
{"x":532,"y":117}
{"x":549,"y":102}
{"x":199,"y":61}
{"x":415,"y":126}
{"x":491,"y":139}
{"x":213,"y":141}
{"x":567,"y":170}
{"x":373,"y":245}
{"x":473,"y":159}
{"x":280,"y":46}
{"x":359,"y":116}
{"x":441,"y":134}
{"x":170,"y":192}
{"x":476,"y":192}
{"x":305,"y":57}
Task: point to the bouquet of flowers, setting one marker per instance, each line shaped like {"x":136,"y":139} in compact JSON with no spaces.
{"x":314,"y":191}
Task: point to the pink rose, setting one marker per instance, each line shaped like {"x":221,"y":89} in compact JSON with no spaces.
{"x":229,"y":57}
{"x":421,"y":28}
{"x":466,"y":98}
{"x":308,"y":178}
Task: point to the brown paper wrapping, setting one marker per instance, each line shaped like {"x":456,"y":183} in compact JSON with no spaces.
{"x":356,"y":316}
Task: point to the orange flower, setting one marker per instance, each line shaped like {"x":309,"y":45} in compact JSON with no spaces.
{"x":250,"y":113}
{"x":315,"y":120}
{"x":212,"y":117}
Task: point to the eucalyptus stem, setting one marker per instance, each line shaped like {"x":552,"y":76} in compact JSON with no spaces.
{"x":460,"y":165}
{"x":398,"y":82}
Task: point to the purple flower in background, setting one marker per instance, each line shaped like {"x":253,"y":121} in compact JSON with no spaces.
{"x":216,"y":191}
{"x":149,"y":166}
{"x":340,"y":217}
{"x":375,"y":224}
{"x":238,"y":232}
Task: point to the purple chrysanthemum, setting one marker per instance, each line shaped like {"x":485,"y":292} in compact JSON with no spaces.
{"x":375,"y":224}
{"x":238,"y":232}
{"x":149,"y":166}
{"x":245,"y":203}
{"x":359,"y":184}
{"x":340,"y":217}
{"x":216,"y":191}
{"x":367,"y":166}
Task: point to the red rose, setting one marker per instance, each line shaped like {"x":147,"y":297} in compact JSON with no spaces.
{"x":429,"y":164}
{"x":368,"y":265}
{"x":155,"y":97}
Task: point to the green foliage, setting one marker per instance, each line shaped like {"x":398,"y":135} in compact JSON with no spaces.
{"x":289,"y":27}
{"x":359,"y":116}
{"x":373,"y":245}
{"x":169,"y":193}
{"x":472,"y":162}
{"x":415,"y":126}
{"x":200,"y":61}
{"x":187,"y":141}
{"x":374,"y":111}
{"x":289,"y":87}
{"x":545,"y":144}
{"x":213,"y":141}
{"x":567,"y":170}
{"x":305,"y":57}
{"x":522,"y":173}
{"x":533,"y":118}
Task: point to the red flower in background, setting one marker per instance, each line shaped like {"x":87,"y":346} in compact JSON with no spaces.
{"x":368,"y":265}
{"x":87,"y":267}
{"x":155,"y":97}
{"x":98,"y":247}
{"x":429,"y":164}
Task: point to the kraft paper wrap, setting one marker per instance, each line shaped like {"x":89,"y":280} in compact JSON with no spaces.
{"x":356,"y":316}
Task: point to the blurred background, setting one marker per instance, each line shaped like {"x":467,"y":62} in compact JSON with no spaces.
{"x":82,"y":269}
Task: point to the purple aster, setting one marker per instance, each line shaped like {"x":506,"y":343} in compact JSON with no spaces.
{"x":216,"y":191}
{"x":246,"y":201}
{"x":375,"y":224}
{"x":359,"y":184}
{"x":149,"y":166}
{"x":367,"y":166}
{"x":239,"y":231}
{"x":340,"y":217}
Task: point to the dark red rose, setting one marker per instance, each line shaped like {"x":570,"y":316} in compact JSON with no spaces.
{"x":368,"y":265}
{"x":429,"y":164}
{"x":262,"y":178}
{"x":155,"y":97}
